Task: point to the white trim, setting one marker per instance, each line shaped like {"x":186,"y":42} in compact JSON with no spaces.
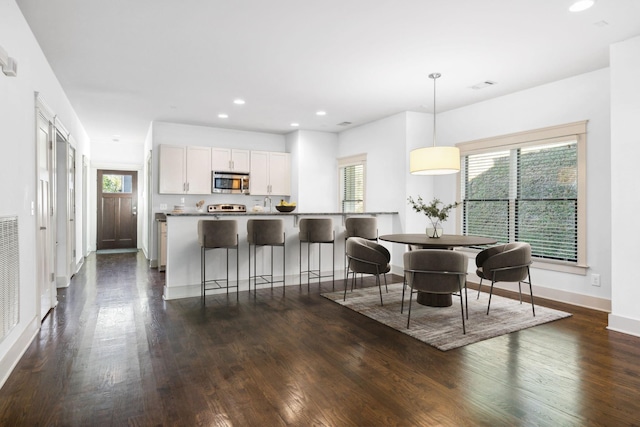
{"x":624,"y":325}
{"x":17,"y":350}
{"x":356,"y":159}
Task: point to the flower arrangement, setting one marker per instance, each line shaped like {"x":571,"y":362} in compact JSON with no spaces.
{"x":436,"y":214}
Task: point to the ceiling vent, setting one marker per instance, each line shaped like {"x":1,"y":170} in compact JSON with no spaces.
{"x":483,"y":84}
{"x":345,"y":124}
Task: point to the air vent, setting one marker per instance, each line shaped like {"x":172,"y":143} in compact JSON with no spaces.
{"x":483,"y":84}
{"x":9,"y":275}
{"x":345,"y":124}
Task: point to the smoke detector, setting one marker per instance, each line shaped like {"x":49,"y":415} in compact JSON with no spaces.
{"x":483,"y":84}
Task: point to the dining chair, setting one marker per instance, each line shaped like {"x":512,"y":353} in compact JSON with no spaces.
{"x":436,"y":271}
{"x":368,"y":257}
{"x":505,"y":263}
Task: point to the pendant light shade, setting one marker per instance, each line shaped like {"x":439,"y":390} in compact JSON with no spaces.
{"x":434,"y":160}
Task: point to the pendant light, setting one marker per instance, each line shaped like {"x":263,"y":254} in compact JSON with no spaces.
{"x":434,"y":160}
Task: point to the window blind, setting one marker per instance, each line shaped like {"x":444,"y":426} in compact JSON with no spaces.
{"x":353,"y":188}
{"x":527,"y":194}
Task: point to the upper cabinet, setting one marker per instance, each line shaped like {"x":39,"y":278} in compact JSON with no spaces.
{"x":184,"y":170}
{"x":270,"y":173}
{"x":230,"y":160}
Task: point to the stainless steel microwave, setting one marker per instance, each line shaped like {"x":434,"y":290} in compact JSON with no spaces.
{"x":230,"y":182}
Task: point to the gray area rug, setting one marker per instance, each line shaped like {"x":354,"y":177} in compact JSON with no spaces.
{"x":441,"y":327}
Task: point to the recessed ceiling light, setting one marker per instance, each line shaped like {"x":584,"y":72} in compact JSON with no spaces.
{"x":581,"y":5}
{"x":321,"y":113}
{"x":223,"y":116}
{"x":238,"y":101}
{"x":295,"y":125}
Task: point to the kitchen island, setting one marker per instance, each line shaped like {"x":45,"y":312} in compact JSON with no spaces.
{"x":183,"y":251}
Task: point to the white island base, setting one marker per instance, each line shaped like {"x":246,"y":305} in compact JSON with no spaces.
{"x":182,"y":278}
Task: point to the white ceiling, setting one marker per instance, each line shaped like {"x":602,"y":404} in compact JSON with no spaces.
{"x":126,"y":63}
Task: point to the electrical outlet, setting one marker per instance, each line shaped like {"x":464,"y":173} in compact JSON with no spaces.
{"x":163,"y":206}
{"x":595,"y":280}
{"x":181,"y":199}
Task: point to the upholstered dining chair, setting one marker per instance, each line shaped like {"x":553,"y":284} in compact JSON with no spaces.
{"x":367,"y":257}
{"x":436,"y":271}
{"x":505,"y":263}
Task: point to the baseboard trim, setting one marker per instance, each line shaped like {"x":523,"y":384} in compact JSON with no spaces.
{"x":624,"y":325}
{"x":17,"y":350}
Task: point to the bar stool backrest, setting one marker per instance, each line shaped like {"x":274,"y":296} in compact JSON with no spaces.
{"x":316,"y":230}
{"x":218,"y":233}
{"x":365,"y":227}
{"x":265,"y":232}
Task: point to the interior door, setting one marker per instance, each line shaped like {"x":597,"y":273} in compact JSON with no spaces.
{"x":71,"y":211}
{"x":117,"y":209}
{"x":45,"y":252}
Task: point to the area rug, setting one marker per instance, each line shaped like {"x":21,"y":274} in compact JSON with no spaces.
{"x":441,"y":327}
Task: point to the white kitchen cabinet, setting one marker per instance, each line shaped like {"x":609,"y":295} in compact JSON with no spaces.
{"x":184,"y":170}
{"x":230,"y":160}
{"x":270,"y":173}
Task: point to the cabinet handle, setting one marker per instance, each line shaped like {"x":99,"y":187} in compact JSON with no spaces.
{"x":187,"y":186}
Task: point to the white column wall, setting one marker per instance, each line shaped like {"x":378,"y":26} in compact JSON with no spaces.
{"x":625,"y":204}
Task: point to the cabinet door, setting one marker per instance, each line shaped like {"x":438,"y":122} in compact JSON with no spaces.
{"x":259,"y":180}
{"x":198,"y":170}
{"x":280,"y":174}
{"x":172,"y":168}
{"x":240,"y":160}
{"x":221,"y":159}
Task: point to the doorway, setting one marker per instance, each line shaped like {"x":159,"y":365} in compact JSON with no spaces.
{"x":117,"y":220}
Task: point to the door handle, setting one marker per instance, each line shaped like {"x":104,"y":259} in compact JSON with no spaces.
{"x":43,"y":228}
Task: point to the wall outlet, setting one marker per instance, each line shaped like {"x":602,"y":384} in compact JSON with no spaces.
{"x":595,"y":280}
{"x":181,"y":199}
{"x":163,"y":206}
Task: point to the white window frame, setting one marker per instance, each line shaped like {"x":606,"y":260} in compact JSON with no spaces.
{"x":355,"y":160}
{"x":576,"y":130}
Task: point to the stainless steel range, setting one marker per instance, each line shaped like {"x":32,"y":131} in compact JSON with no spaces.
{"x":224,"y":208}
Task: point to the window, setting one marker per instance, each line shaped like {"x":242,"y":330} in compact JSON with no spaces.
{"x":352,"y":183}
{"x":528,"y":187}
{"x":116,"y":183}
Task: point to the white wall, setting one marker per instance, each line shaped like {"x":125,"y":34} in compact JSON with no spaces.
{"x":313,"y":156}
{"x":18,"y":188}
{"x":625,"y":204}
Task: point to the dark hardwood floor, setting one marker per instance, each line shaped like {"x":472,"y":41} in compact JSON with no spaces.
{"x":114,"y":353}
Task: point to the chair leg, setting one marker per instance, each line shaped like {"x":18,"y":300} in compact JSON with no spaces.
{"x":238,"y":272}
{"x":464,"y":330}
{"x":404,"y":286}
{"x":410,"y":299}
{"x":379,"y":288}
{"x":202,"y":272}
{"x":490,"y":293}
{"x":520,"y":291}
{"x":479,"y":286}
{"x":531,"y":291}
{"x":385,"y":283}
{"x":466,"y":301}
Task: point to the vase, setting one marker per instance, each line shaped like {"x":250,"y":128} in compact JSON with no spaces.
{"x":434,"y":231}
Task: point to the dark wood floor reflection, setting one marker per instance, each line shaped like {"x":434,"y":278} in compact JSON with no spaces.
{"x":114,"y":353}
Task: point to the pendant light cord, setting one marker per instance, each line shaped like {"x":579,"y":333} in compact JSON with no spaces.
{"x":434,"y":76}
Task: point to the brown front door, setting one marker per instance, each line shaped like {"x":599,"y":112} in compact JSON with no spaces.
{"x":117,"y":209}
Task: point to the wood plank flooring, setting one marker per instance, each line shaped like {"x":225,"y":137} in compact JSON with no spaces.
{"x":114,"y":353}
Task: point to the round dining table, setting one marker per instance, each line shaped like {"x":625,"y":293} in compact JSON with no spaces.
{"x":446,"y":241}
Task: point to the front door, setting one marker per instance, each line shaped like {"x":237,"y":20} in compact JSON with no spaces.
{"x":117,"y":209}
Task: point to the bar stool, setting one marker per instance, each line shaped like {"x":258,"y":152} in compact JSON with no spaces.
{"x":317,"y":230}
{"x":265,"y":232}
{"x":217,"y":234}
{"x":365,"y":227}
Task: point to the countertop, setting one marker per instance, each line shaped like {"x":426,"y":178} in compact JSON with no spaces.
{"x":276,"y":213}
